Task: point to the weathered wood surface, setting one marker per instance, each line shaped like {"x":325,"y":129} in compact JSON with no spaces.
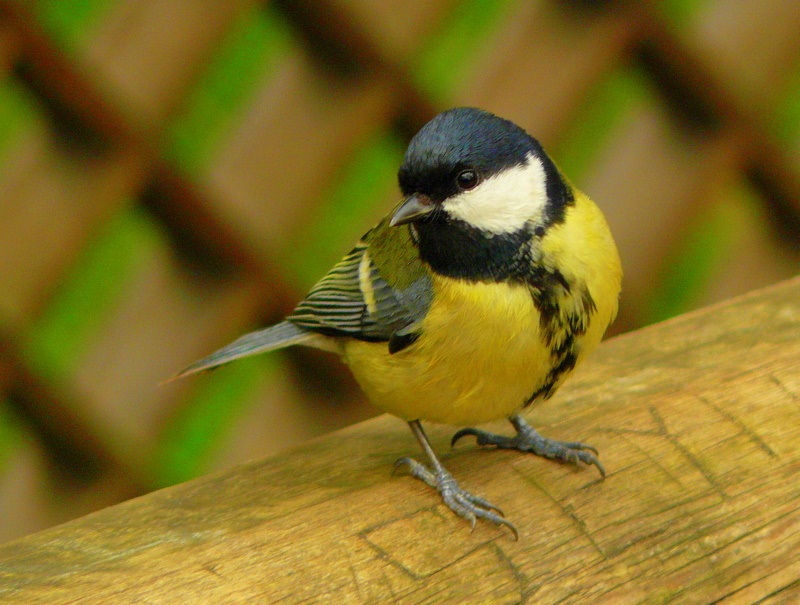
{"x":697,"y":421}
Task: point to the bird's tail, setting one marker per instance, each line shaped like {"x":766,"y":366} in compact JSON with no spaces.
{"x":278,"y":336}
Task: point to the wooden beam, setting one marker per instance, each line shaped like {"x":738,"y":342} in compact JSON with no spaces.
{"x":698,"y":423}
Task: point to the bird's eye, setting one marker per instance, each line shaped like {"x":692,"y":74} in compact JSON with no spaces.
{"x":467,"y":179}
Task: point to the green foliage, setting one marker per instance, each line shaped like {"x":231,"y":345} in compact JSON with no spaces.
{"x":701,"y":251}
{"x":786,"y":124}
{"x":10,"y":434}
{"x":17,"y":114}
{"x":681,"y":12}
{"x":604,"y":109}
{"x":78,"y":309}
{"x":448,"y":55}
{"x":203,"y":425}
{"x":70,"y":21}
{"x":345,"y":212}
{"x":253,"y":47}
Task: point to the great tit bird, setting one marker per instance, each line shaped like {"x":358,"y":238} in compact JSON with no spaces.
{"x":472,"y":300}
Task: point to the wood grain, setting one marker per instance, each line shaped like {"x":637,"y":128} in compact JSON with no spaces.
{"x":697,"y":421}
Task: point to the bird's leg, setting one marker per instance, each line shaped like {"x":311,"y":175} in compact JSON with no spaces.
{"x":528,"y":439}
{"x":458,"y":500}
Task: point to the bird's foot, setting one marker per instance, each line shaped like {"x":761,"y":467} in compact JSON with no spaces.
{"x":460,"y":501}
{"x":528,"y":439}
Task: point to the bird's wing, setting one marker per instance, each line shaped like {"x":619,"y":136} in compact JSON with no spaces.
{"x":377,"y":292}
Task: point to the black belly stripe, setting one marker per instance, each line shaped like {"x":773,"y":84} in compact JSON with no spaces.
{"x":554,"y":324}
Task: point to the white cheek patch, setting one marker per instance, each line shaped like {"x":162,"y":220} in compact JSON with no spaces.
{"x":505,"y":202}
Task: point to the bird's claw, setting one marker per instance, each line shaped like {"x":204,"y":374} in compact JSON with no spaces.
{"x":484,"y":438}
{"x":460,"y":501}
{"x":528,"y":439}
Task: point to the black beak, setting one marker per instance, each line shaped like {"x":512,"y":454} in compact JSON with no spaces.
{"x":413,"y":208}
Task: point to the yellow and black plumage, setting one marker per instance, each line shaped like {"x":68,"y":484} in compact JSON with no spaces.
{"x":473,"y":299}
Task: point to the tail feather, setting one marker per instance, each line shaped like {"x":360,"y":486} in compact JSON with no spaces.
{"x":278,"y":336}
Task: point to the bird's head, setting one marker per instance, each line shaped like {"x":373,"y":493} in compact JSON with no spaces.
{"x":473,"y":180}
{"x":471,"y":166}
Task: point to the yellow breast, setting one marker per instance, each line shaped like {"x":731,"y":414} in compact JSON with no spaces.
{"x":481,"y":354}
{"x":478,"y":359}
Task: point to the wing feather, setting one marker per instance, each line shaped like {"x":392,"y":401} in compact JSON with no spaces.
{"x":383,"y":302}
{"x":356,"y":298}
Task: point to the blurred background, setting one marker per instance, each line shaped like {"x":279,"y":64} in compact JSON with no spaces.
{"x":174,"y":173}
